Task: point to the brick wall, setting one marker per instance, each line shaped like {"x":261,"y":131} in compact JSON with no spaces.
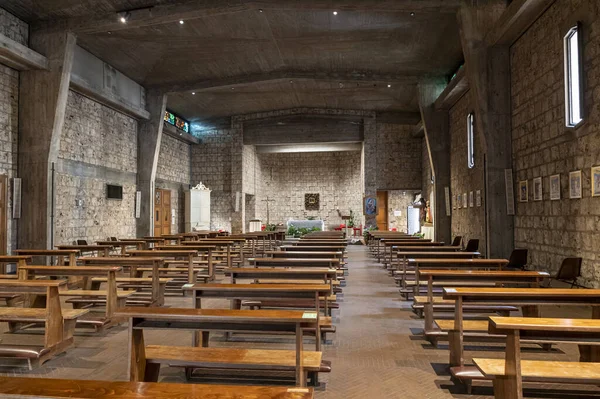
{"x":98,"y":146}
{"x":9,"y":108}
{"x":173,"y":172}
{"x":467,"y":222}
{"x":13,"y":28}
{"x":542,"y":146}
{"x":287,"y":177}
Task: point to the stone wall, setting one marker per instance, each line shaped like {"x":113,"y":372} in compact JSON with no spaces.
{"x":287,"y":177}
{"x":399,"y":200}
{"x":467,"y":222}
{"x":9,"y":117}
{"x":398,"y":158}
{"x":427,"y":187}
{"x":98,"y":147}
{"x":13,"y":28}
{"x":542,"y":146}
{"x":173,"y":173}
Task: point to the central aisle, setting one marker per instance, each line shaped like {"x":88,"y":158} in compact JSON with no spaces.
{"x":374,"y":354}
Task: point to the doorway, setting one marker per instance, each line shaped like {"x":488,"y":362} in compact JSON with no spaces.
{"x":162,"y":212}
{"x":382,"y":211}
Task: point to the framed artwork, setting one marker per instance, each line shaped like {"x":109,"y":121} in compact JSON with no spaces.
{"x":523,"y":191}
{"x":510,"y":191}
{"x":370,"y":206}
{"x":311,"y":202}
{"x":575,"y":184}
{"x":454,"y":202}
{"x":447,"y":194}
{"x":465,"y":199}
{"x":537,"y":189}
{"x":478,"y":198}
{"x":471,"y":199}
{"x":554,"y":187}
{"x":596,"y":181}
{"x":459,"y":201}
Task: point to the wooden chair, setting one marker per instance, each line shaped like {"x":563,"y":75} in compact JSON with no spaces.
{"x":569,"y":271}
{"x":472,"y":245}
{"x":457,"y":241}
{"x":518,"y":259}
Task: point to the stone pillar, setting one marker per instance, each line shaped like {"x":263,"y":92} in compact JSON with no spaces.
{"x":42,"y":105}
{"x":488,"y":71}
{"x":149,"y":138}
{"x":238,"y":218}
{"x":437,"y":137}
{"x":370,"y":164}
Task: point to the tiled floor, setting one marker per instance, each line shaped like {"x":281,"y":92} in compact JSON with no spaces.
{"x":376,"y":353}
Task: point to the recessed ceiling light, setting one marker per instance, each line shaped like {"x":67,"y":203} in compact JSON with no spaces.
{"x":412,"y":14}
{"x":260,"y":10}
{"x":389,"y":86}
{"x":335,"y":13}
{"x":109,"y":32}
{"x":233,"y":88}
{"x":124,"y":16}
{"x":291,"y":81}
{"x":193,"y":93}
{"x":181,"y":22}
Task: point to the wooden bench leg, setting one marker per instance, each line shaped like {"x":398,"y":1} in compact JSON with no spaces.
{"x":455,"y":343}
{"x":152,"y":372}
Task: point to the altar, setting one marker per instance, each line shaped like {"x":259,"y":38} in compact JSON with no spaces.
{"x":307,"y":224}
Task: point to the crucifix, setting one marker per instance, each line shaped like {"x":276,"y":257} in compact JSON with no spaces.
{"x":267,"y":201}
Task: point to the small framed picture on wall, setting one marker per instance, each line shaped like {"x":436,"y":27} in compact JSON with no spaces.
{"x":537,"y":189}
{"x":459,"y":201}
{"x":523,"y":191}
{"x":575,"y":184}
{"x":471,"y":199}
{"x":596,"y":181}
{"x":554,"y":187}
{"x":465,"y":201}
{"x":478,"y":198}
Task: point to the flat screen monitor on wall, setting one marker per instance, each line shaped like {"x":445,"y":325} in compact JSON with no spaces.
{"x":114,"y":192}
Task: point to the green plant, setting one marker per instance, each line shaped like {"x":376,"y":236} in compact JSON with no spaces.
{"x":302,"y":231}
{"x":366,"y":231}
{"x":351,"y":221}
{"x":420,"y":235}
{"x":270,"y":227}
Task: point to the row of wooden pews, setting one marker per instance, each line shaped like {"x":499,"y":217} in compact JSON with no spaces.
{"x":445,"y":281}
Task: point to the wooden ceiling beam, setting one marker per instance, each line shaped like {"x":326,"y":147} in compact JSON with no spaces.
{"x":340,"y":77}
{"x":517,"y":18}
{"x":194,"y":9}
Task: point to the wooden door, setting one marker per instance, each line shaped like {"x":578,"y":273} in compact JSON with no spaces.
{"x":162,"y":212}
{"x":3,"y":211}
{"x":382,"y":210}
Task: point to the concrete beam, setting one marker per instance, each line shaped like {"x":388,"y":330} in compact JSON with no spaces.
{"x":453,"y":92}
{"x":42,"y":105}
{"x":321,"y":147}
{"x":488,"y":72}
{"x":149,"y":139}
{"x":437,"y":136}
{"x":516,"y":19}
{"x":19,"y":57}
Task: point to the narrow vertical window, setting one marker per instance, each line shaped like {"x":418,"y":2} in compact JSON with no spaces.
{"x":470,"y":141}
{"x":573,"y":77}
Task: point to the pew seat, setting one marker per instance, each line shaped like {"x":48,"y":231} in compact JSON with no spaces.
{"x":445,"y":306}
{"x":35,"y":315}
{"x":468,"y":325}
{"x":234,"y":359}
{"x":94,"y":293}
{"x":544,"y":371}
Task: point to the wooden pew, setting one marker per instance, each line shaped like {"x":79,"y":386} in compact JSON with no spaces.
{"x":102,"y":250}
{"x":389,"y":244}
{"x":311,"y":293}
{"x":312,"y":248}
{"x":306,"y":254}
{"x":401,"y":270}
{"x":237,"y":247}
{"x":59,"y":324}
{"x":19,"y":260}
{"x":529,"y":299}
{"x":509,"y":374}
{"x":149,"y":242}
{"x":52,"y":388}
{"x":295,"y":262}
{"x":110,"y":297}
{"x":144,"y":362}
{"x":188,"y":255}
{"x":123,"y":245}
{"x":70,"y":254}
{"x":200,"y":249}
{"x":449,"y":278}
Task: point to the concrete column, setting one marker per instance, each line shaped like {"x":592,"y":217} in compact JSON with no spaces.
{"x":370,"y":164}
{"x":488,"y":71}
{"x":437,"y":136}
{"x":238,"y":218}
{"x":42,"y":105}
{"x":149,"y":138}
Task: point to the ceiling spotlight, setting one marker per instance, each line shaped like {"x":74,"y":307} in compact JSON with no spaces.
{"x":335,"y":13}
{"x":260,"y":10}
{"x":291,"y":81}
{"x":233,"y":88}
{"x":109,"y":32}
{"x":193,"y":93}
{"x":181,"y":22}
{"x":124,"y":16}
{"x":341,"y":85}
{"x":389,"y":86}
{"x":412,"y":14}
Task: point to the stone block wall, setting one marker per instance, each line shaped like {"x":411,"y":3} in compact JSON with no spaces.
{"x":399,"y":200}
{"x":98,"y":147}
{"x":9,"y":118}
{"x":466,"y":222}
{"x":13,"y":28}
{"x":427,"y":187}
{"x":398,"y":158}
{"x":543,"y":146}
{"x":287,"y":177}
{"x":173,"y":172}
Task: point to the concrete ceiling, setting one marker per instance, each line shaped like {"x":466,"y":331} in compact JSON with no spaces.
{"x":250,"y":56}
